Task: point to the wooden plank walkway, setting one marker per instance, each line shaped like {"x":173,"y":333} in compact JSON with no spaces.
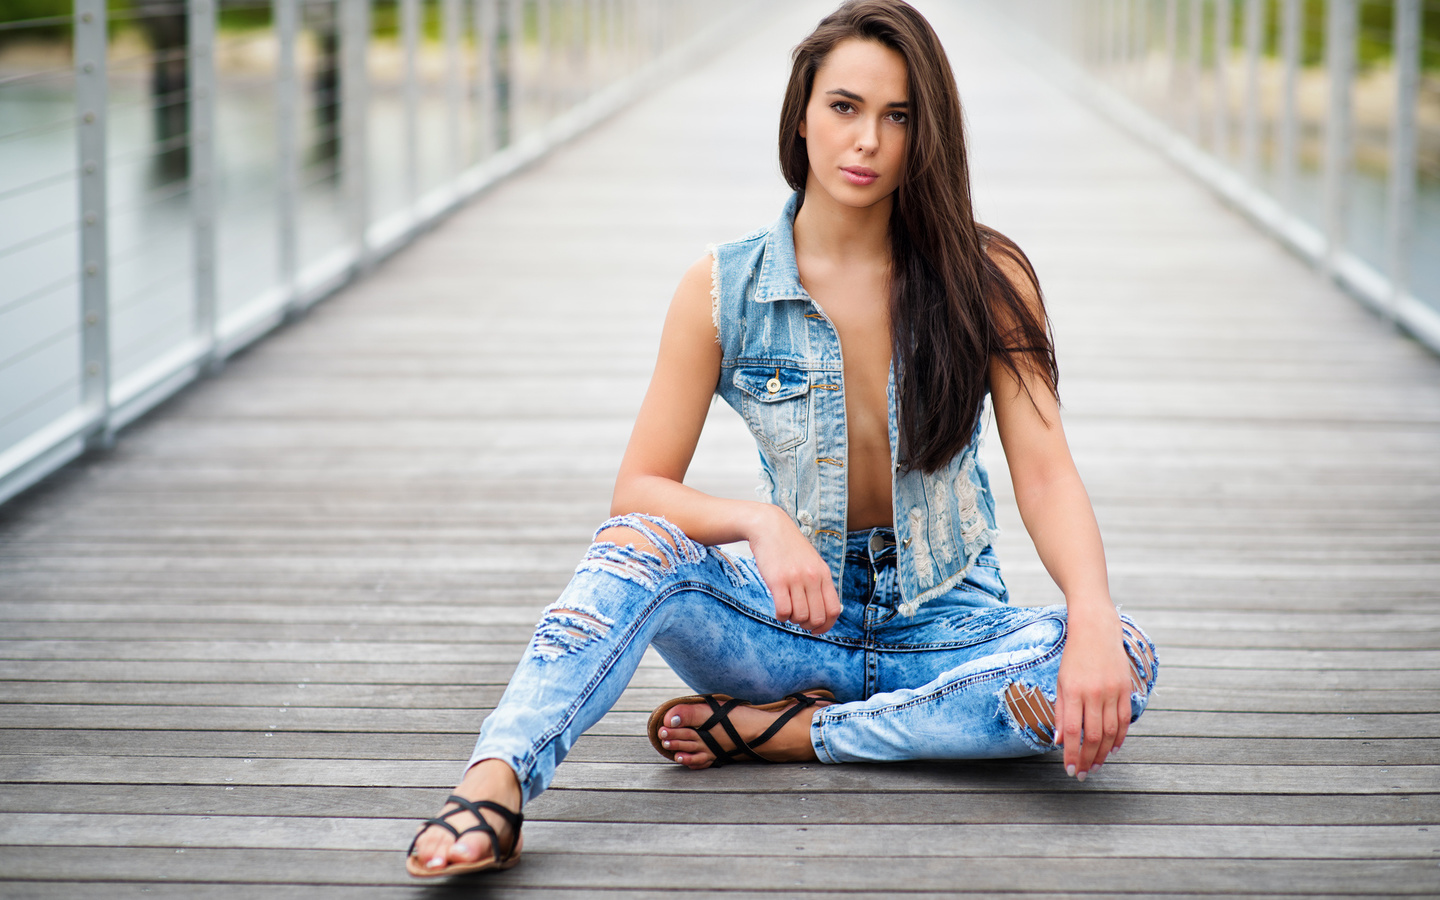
{"x":245,"y":650}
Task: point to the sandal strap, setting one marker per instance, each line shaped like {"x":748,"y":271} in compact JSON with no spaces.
{"x":720,"y":715}
{"x":802,"y":702}
{"x":513,"y":819}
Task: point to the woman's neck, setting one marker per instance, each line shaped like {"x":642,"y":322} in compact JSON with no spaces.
{"x":830,"y":230}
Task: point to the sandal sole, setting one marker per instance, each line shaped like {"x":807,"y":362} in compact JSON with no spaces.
{"x":412,"y":865}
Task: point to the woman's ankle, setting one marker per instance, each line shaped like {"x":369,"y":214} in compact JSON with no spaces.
{"x":492,"y":777}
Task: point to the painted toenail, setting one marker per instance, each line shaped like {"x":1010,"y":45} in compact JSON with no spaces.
{"x":664,"y":733}
{"x":436,"y":863}
{"x":665,"y":744}
{"x":675,"y":721}
{"x":462,"y":848}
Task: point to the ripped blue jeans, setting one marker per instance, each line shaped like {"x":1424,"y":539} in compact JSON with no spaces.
{"x":967,"y":677}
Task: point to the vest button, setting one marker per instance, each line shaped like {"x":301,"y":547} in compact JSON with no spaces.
{"x":773,"y":385}
{"x":806,"y":530}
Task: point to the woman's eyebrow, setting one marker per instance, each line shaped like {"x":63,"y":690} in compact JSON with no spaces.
{"x":851,"y":95}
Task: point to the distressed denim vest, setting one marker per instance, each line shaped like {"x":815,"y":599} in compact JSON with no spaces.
{"x":781,"y":370}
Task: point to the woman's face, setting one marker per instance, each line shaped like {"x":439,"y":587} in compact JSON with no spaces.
{"x":857,"y":123}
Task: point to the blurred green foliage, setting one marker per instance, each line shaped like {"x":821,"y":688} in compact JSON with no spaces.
{"x":21,"y":10}
{"x":1375,"y":26}
{"x":234,"y":15}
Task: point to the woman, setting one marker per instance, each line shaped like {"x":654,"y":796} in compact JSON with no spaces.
{"x":872,"y":623}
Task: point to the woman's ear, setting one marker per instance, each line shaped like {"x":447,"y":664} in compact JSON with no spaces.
{"x":801,"y":130}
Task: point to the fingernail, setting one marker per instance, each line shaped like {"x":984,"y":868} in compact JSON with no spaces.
{"x":1079,"y":776}
{"x":675,"y":721}
{"x":1070,"y":770}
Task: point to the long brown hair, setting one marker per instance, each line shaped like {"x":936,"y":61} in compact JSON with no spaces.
{"x":953,"y":310}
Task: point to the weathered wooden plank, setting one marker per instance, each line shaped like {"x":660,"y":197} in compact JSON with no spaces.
{"x":1140,"y":591}
{"x":634,"y":748}
{"x":658,"y":775}
{"x":404,"y":612}
{"x":761,"y":840}
{"x":856,"y":807}
{"x":455,"y":652}
{"x":1169,"y":638}
{"x":650,"y":674}
{"x":1157,"y":721}
{"x":677,"y":872}
{"x":1253,"y":699}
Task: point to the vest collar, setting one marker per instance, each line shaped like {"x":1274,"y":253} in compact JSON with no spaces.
{"x":779,"y":273}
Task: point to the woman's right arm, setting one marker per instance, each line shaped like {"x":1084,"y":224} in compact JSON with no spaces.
{"x":652,"y":474}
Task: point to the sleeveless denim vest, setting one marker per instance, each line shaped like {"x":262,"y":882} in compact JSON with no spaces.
{"x":781,"y":371}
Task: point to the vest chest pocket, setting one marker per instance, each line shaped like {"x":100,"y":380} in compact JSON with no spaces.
{"x":775,"y":402}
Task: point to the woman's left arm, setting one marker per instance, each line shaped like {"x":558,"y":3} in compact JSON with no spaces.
{"x":1092,"y":704}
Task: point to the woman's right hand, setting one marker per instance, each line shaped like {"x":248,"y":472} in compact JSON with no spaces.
{"x":797,"y":577}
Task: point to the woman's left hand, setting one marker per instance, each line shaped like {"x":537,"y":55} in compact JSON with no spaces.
{"x":1092,"y":699}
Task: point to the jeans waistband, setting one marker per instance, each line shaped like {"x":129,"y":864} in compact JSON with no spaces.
{"x":875,"y":545}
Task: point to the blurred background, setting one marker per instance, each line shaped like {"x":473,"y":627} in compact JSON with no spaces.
{"x":177,"y":178}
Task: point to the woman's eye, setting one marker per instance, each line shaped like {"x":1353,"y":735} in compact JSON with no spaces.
{"x":899,"y":118}
{"x":841,"y":106}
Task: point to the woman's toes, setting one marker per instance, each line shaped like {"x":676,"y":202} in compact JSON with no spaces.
{"x":430,"y":848}
{"x":465,"y":850}
{"x":431,"y":851}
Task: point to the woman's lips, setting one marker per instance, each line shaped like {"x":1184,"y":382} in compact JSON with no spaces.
{"x":859,"y":175}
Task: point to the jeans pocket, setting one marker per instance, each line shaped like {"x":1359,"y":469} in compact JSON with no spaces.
{"x":986,"y":578}
{"x":775,"y":402}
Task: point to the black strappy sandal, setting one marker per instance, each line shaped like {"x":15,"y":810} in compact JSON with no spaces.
{"x":500,"y":861}
{"x":721,"y":706}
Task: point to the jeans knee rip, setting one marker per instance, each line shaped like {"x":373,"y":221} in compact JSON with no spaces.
{"x":1144,"y":663}
{"x":645,"y":568}
{"x":1029,"y":711}
{"x":567,"y":629}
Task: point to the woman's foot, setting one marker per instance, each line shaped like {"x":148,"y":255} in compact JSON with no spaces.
{"x":436,"y":850}
{"x":678,"y":735}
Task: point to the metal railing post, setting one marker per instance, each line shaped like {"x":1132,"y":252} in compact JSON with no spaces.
{"x":91,"y":100}
{"x":452,"y":25}
{"x":287,"y":94}
{"x":1221,"y":120}
{"x":487,"y":76}
{"x":354,"y":49}
{"x":1340,"y":70}
{"x":1250,"y":124}
{"x":1172,"y":56}
{"x":1288,"y":147}
{"x":544,"y":78}
{"x":519,"y":94}
{"x":1400,"y":214}
{"x":1140,"y":43}
{"x":1197,"y":47}
{"x":410,"y":40}
{"x":203,"y":204}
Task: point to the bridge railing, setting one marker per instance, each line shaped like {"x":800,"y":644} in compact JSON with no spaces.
{"x":1320,"y":119}
{"x":177,"y":177}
